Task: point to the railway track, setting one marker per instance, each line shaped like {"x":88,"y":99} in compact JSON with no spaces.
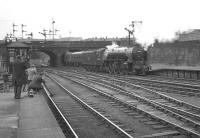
{"x":182,"y":87}
{"x":167,"y":111}
{"x":179,"y":86}
{"x":131,"y":118}
{"x":173,"y":79}
{"x":162,"y":99}
{"x":82,"y":120}
{"x":168,"y":85}
{"x":171,"y":103}
{"x":185,"y":89}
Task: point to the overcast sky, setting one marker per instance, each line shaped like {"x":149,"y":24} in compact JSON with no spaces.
{"x":101,"y":18}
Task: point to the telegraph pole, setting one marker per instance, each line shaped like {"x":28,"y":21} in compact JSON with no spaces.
{"x":22,"y":26}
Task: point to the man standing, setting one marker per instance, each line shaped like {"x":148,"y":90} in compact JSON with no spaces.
{"x":19,"y":76}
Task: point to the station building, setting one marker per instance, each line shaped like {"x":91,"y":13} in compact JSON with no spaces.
{"x":189,"y":35}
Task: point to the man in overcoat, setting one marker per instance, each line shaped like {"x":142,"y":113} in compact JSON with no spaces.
{"x":19,"y":76}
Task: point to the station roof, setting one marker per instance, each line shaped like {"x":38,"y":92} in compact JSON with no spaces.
{"x":18,"y":45}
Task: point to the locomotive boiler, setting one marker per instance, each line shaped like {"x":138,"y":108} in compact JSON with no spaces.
{"x":114,"y":59}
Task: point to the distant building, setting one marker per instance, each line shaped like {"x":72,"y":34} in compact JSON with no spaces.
{"x":190,"y":35}
{"x":56,"y":39}
{"x":69,"y":39}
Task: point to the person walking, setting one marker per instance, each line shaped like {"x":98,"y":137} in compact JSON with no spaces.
{"x":19,"y":76}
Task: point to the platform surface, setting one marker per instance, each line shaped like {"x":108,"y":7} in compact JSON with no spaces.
{"x":8,"y":115}
{"x":27,"y":117}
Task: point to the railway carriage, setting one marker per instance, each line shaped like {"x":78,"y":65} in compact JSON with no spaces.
{"x":73,"y":59}
{"x":93,"y":60}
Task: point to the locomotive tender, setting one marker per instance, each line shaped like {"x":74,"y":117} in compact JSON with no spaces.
{"x":113,"y":59}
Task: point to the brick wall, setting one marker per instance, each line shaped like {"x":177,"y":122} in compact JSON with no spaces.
{"x":177,"y":53}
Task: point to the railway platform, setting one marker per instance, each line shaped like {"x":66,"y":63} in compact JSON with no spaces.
{"x":27,"y":117}
{"x":176,"y":71}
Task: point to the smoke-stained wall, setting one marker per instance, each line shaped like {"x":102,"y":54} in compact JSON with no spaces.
{"x":176,"y":53}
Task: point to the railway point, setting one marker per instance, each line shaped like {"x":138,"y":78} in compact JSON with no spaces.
{"x":27,"y":117}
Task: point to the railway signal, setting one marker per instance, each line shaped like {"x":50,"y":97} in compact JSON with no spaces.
{"x":129,"y":35}
{"x":133,"y":27}
{"x":31,"y":35}
{"x":22,"y":27}
{"x":53,"y":22}
{"x":14,"y":25}
{"x":131,"y":31}
{"x":44,"y":34}
{"x":51,"y":32}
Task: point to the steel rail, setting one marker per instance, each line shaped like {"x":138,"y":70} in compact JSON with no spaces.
{"x":166,"y":110}
{"x":58,"y":113}
{"x":117,"y":128}
{"x":169,"y":98}
{"x":193,"y":87}
{"x":152,"y":101}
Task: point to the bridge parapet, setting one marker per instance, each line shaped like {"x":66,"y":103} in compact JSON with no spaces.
{"x":79,"y":44}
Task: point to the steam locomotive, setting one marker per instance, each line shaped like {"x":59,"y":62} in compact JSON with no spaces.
{"x":114,"y":59}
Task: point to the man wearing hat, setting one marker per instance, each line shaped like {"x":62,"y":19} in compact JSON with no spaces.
{"x":19,"y":76}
